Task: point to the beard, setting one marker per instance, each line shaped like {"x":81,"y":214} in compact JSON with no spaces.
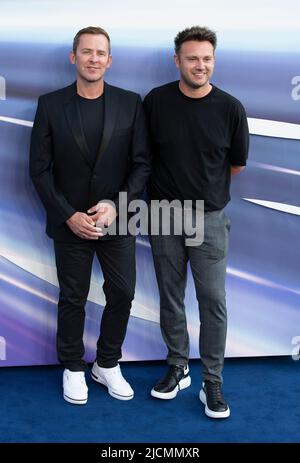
{"x":192,"y":84}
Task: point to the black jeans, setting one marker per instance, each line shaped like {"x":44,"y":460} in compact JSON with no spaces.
{"x":208,"y":266}
{"x":74,"y":266}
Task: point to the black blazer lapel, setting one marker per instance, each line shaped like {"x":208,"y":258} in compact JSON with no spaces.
{"x":111,"y":108}
{"x":72,"y":112}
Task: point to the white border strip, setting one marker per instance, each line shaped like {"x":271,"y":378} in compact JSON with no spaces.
{"x":288,"y":208}
{"x":262,"y":127}
{"x":275,"y":129}
{"x":281,"y":170}
{"x":12,"y":120}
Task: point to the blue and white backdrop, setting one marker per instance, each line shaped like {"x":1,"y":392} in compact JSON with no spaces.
{"x":258,"y":61}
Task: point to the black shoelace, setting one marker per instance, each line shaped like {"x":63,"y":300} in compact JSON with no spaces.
{"x":215,"y":392}
{"x":174,"y":371}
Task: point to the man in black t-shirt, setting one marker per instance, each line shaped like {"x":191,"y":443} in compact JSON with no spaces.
{"x":199,"y":137}
{"x":89,"y":144}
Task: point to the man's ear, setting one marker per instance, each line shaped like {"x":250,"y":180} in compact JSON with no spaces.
{"x":109,"y":61}
{"x":72,"y":57}
{"x":176,"y":60}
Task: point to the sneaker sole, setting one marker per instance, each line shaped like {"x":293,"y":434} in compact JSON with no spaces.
{"x":211,"y":413}
{"x":183,"y":384}
{"x":113,"y":394}
{"x":75,"y":401}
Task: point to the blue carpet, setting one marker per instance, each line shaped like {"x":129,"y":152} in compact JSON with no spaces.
{"x":263,"y":393}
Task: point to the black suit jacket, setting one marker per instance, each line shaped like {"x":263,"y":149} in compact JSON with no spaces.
{"x":59,"y":163}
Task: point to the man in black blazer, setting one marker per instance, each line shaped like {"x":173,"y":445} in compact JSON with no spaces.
{"x":89,"y":143}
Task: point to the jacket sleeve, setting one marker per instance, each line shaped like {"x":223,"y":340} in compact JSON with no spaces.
{"x":41,"y":168}
{"x":139,"y":165}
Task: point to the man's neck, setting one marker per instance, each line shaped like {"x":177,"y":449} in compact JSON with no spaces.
{"x":195,"y":92}
{"x":90,"y":90}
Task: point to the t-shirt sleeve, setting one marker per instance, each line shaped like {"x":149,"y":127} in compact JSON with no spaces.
{"x":238,"y":152}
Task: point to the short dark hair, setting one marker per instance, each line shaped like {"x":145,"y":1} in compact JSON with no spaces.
{"x":197,"y":33}
{"x":90,"y":30}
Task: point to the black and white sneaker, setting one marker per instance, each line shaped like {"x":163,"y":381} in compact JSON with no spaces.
{"x":211,"y":396}
{"x":176,"y":379}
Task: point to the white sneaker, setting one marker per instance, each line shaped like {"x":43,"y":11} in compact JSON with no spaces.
{"x":75,"y":388}
{"x":113,"y":379}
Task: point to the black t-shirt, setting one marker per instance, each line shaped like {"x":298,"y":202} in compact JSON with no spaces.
{"x":194,"y":143}
{"x":92,"y":119}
